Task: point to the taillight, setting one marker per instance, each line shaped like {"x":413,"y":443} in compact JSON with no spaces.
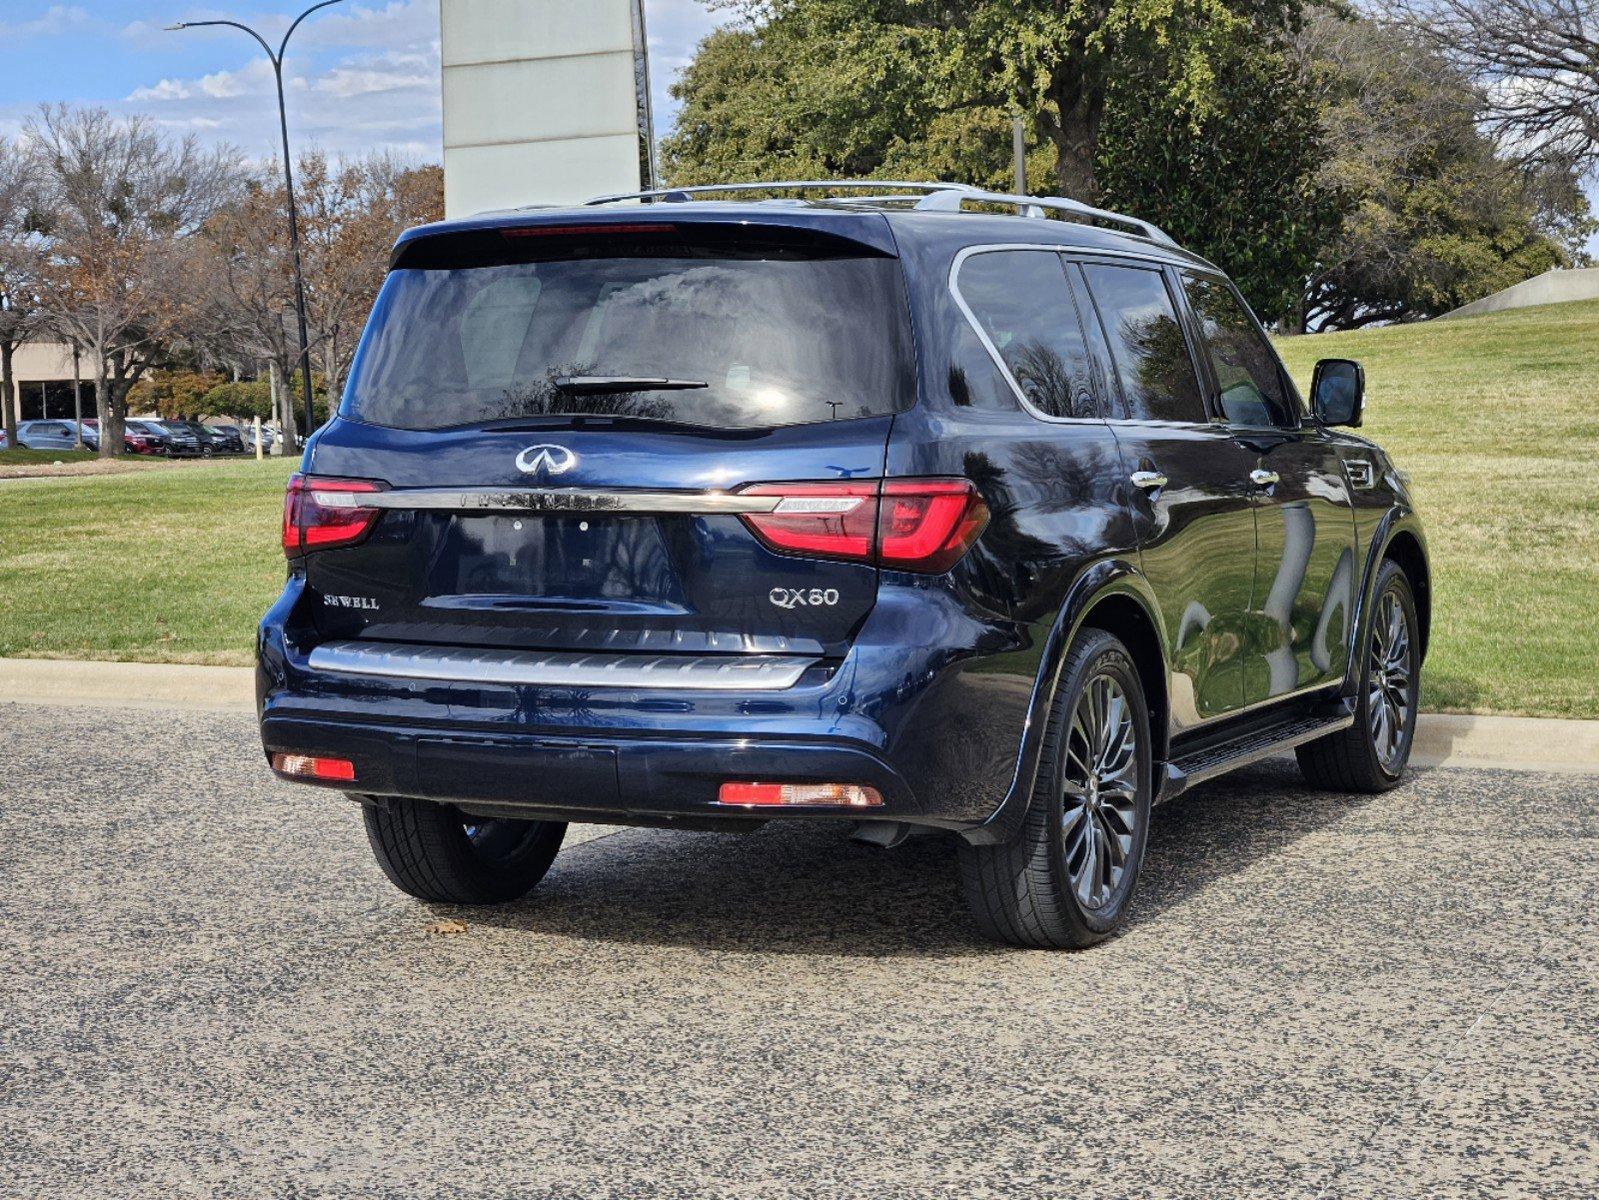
{"x":920,"y":525}
{"x":773,"y":795}
{"x":818,"y":520}
{"x":319,"y":514}
{"x":927,"y":524}
{"x":305,"y":766}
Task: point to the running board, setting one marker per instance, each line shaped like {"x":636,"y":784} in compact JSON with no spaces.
{"x":1185,"y":771}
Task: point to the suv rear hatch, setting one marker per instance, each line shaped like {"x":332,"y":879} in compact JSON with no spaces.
{"x":556,"y":437}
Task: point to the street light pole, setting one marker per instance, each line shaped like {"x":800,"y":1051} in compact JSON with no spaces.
{"x":276,"y":58}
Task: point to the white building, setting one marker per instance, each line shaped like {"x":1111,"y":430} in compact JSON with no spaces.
{"x":545,"y":102}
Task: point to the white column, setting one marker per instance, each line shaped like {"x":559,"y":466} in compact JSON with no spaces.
{"x":541,"y":101}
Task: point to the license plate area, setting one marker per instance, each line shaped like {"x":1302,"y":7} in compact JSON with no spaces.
{"x":568,"y":558}
{"x":492,"y":770}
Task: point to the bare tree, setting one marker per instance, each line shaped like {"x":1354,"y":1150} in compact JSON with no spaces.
{"x":123,"y":202}
{"x":1537,"y":62}
{"x":350,"y":216}
{"x":21,"y":313}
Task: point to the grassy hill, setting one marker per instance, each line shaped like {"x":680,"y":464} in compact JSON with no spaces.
{"x":1496,"y":419}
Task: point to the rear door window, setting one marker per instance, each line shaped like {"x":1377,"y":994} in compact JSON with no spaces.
{"x":684,"y":334}
{"x":1147,"y":344}
{"x":1249,"y":384}
{"x":1022,"y":303}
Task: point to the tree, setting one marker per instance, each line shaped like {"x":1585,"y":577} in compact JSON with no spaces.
{"x":1053,"y":61}
{"x":21,"y":312}
{"x":123,"y":201}
{"x":350,"y":216}
{"x":1236,"y":178}
{"x":1536,"y":62}
{"x":1238,"y":181}
{"x":1439,"y":214}
{"x":174,"y":395}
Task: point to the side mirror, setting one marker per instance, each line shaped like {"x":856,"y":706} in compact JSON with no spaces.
{"x":1338,"y":392}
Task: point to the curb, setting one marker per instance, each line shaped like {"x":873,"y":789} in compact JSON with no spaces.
{"x":1442,"y":739}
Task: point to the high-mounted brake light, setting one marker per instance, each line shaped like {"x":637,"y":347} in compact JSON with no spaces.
{"x":922,"y":525}
{"x":319,"y":514}
{"x":599,"y":228}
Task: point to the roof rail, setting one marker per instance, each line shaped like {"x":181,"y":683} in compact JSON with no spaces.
{"x":936,"y":197}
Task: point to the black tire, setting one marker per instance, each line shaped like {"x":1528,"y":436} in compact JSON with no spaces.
{"x":1024,"y":891}
{"x":1353,"y":760}
{"x":435,"y":852}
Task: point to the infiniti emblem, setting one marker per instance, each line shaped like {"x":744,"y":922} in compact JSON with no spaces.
{"x":551,"y":459}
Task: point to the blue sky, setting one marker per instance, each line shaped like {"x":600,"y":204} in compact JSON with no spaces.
{"x":363,"y":75}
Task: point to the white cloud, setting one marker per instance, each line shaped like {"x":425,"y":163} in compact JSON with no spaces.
{"x":58,"y":18}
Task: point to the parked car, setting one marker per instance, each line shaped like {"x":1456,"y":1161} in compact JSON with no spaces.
{"x":703,"y":514}
{"x":228,"y":439}
{"x":182,"y":440}
{"x":134,"y":439}
{"x":47,"y":435}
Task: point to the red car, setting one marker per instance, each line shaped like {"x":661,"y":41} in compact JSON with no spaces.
{"x":134,"y":438}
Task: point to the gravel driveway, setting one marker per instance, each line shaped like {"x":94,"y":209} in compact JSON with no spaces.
{"x":208,"y":989}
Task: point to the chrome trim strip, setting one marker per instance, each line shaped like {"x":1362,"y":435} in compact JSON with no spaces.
{"x":556,"y":500}
{"x":678,"y":672}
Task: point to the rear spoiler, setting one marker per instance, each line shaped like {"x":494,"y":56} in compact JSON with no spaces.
{"x":576,"y":233}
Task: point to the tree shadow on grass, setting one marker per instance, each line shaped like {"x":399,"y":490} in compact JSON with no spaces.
{"x":804,"y":888}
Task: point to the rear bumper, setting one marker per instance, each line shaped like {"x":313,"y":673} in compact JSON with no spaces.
{"x":932,"y":727}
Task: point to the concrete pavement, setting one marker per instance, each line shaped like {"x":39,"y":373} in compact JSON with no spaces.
{"x":208,"y":989}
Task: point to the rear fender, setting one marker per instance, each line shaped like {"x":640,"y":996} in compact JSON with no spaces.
{"x":1098,"y":582}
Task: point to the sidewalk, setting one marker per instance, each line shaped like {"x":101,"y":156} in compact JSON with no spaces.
{"x":1512,"y":743}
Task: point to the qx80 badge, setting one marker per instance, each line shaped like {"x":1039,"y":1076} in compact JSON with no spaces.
{"x":548,"y":458}
{"x":803,"y":597}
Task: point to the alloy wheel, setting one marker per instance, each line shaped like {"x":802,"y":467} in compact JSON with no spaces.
{"x":1388,"y":695}
{"x":1099,"y":791}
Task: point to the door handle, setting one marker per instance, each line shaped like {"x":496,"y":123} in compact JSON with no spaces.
{"x":1262,"y":478}
{"x":1148,"y":480}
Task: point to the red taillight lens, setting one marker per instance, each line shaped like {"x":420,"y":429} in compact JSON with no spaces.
{"x":304,"y":766}
{"x":927,"y":524}
{"x":819,"y":520}
{"x":910,"y":524}
{"x":320,"y":513}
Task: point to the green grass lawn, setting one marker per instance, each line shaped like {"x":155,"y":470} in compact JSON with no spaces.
{"x":1496,"y":419}
{"x":20,"y":457}
{"x":173,"y":564}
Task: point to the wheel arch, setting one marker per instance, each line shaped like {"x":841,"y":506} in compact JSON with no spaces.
{"x":1112,"y":595}
{"x":1400,"y":538}
{"x":1405,"y":547}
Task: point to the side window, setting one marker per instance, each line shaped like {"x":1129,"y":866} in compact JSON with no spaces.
{"x":1249,"y":386}
{"x":975,"y":381}
{"x":1147,"y":344}
{"x":1021,"y":299}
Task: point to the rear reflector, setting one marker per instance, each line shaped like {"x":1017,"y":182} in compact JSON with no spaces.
{"x":303,"y":766}
{"x":318,"y":513}
{"x":923,"y":525}
{"x":769,"y":795}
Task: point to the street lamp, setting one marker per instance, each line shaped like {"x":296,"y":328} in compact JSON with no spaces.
{"x":288,"y":183}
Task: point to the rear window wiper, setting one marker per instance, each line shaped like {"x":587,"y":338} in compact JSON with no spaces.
{"x":595,"y":384}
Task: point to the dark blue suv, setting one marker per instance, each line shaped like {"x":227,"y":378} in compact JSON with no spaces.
{"x":907,"y":506}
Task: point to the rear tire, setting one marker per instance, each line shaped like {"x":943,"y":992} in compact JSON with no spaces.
{"x":436,"y":852}
{"x":1066,"y":879}
{"x":1370,"y":756}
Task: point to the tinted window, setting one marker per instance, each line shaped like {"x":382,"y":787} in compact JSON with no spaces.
{"x":775,"y":338}
{"x":1147,"y":345}
{"x":975,"y":380}
{"x":1021,"y":300}
{"x":1249,"y":387}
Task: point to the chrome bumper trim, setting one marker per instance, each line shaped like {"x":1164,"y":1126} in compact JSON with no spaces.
{"x":683,"y":672}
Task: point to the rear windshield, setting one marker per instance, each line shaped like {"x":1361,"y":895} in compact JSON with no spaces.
{"x":747,"y":340}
